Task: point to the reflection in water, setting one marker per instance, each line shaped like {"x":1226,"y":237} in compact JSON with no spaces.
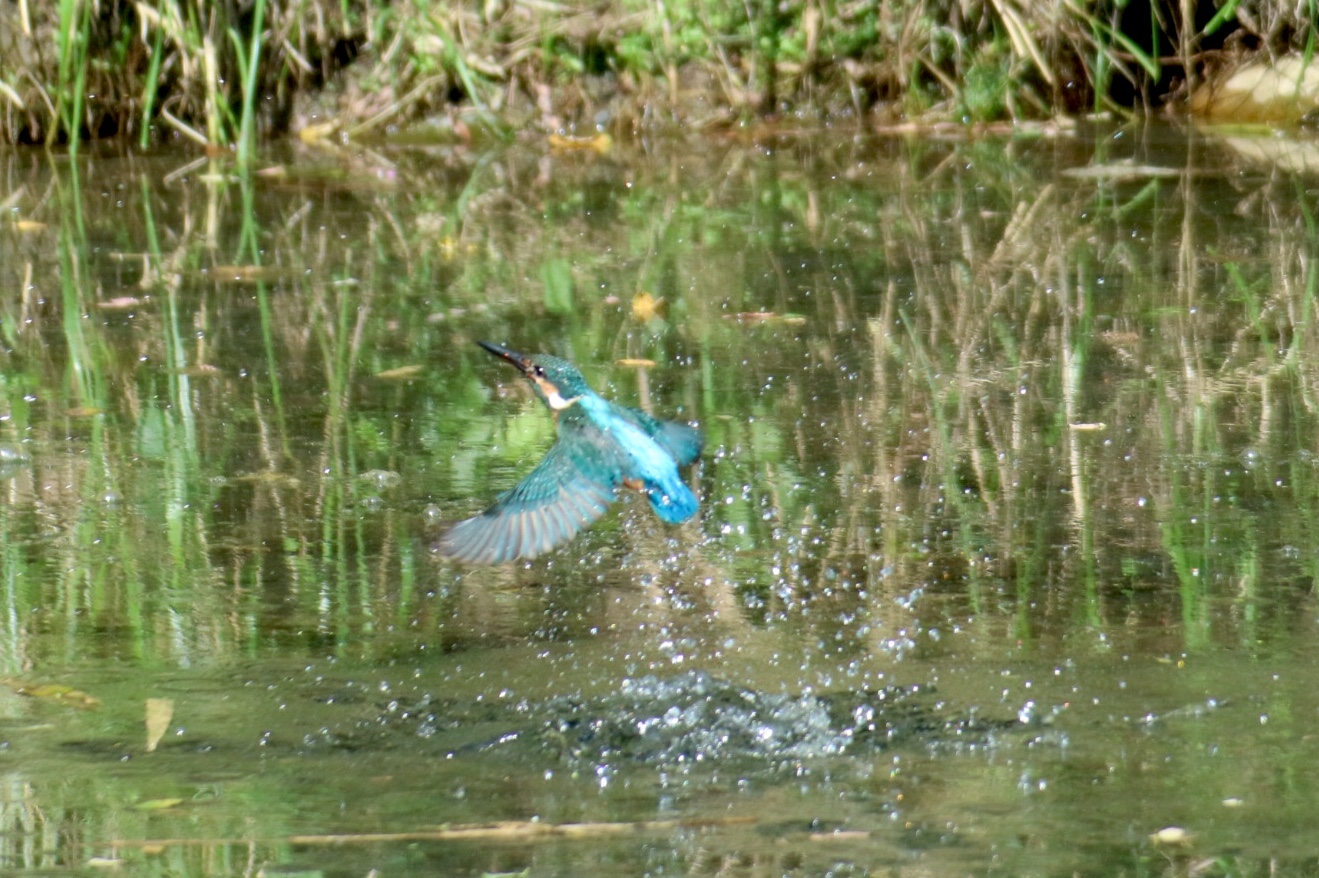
{"x":1041,"y":442}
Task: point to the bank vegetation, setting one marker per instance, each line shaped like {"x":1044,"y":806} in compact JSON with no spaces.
{"x":224,"y":75}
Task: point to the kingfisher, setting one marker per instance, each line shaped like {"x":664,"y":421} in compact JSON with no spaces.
{"x":601,"y":446}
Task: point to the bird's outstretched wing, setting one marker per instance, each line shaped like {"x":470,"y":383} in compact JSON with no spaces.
{"x":569,"y":489}
{"x":682,"y":442}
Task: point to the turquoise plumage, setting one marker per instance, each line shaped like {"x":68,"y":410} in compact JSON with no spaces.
{"x":601,"y":446}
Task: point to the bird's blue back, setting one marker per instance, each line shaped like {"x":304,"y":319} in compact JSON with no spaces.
{"x":683,"y":443}
{"x":648,"y":451}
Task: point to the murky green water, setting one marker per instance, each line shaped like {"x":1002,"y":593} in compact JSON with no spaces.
{"x":1006,"y":557}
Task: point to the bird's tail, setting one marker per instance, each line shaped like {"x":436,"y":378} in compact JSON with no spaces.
{"x":673,"y":503}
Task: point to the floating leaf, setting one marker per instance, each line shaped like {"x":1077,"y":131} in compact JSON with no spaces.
{"x":65,"y":695}
{"x":600,"y":143}
{"x":245,"y":273}
{"x":646,"y":307}
{"x":157,"y":804}
{"x":841,"y":835}
{"x":1120,"y":170}
{"x":119,"y":303}
{"x":635,"y":363}
{"x":104,"y":863}
{"x":315,"y":133}
{"x":400,"y":373}
{"x":1172,"y":835}
{"x":159,"y":713}
{"x":30,"y":226}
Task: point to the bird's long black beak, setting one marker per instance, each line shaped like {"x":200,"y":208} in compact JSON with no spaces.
{"x":522,"y":361}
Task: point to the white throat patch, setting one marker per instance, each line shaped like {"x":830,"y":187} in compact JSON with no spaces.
{"x":557,"y":402}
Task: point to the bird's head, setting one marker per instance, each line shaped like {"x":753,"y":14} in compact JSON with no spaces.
{"x":556,"y":381}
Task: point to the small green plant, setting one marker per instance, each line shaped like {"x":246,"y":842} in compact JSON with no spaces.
{"x":72,"y":47}
{"x":249,"y":60}
{"x":986,"y":85}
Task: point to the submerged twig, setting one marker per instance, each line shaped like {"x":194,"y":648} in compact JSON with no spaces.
{"x":513,"y":831}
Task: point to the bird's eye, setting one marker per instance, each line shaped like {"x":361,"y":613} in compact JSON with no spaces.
{"x":539,"y":371}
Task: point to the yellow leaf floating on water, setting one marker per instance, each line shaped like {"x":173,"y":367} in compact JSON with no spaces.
{"x":30,"y":226}
{"x":600,"y":143}
{"x":399,"y":374}
{"x":157,"y":804}
{"x":104,"y":863}
{"x":635,"y":363}
{"x":315,"y":133}
{"x":646,"y":307}
{"x":245,"y":273}
{"x":66,"y":695}
{"x":159,"y":713}
{"x":1172,"y":835}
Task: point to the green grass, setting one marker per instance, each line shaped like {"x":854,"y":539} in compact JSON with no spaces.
{"x":227,"y":75}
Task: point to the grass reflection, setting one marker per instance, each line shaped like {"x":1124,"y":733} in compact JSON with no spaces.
{"x":965,"y":414}
{"x":914,"y":377}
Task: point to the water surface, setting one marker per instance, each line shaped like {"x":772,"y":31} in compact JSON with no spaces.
{"x":1005,"y":561}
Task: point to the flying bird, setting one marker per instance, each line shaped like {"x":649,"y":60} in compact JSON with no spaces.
{"x":601,"y":446}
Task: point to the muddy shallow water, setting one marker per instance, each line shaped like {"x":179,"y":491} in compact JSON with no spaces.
{"x":1005,"y":560}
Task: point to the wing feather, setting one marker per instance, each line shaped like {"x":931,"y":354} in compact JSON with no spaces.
{"x":569,"y":489}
